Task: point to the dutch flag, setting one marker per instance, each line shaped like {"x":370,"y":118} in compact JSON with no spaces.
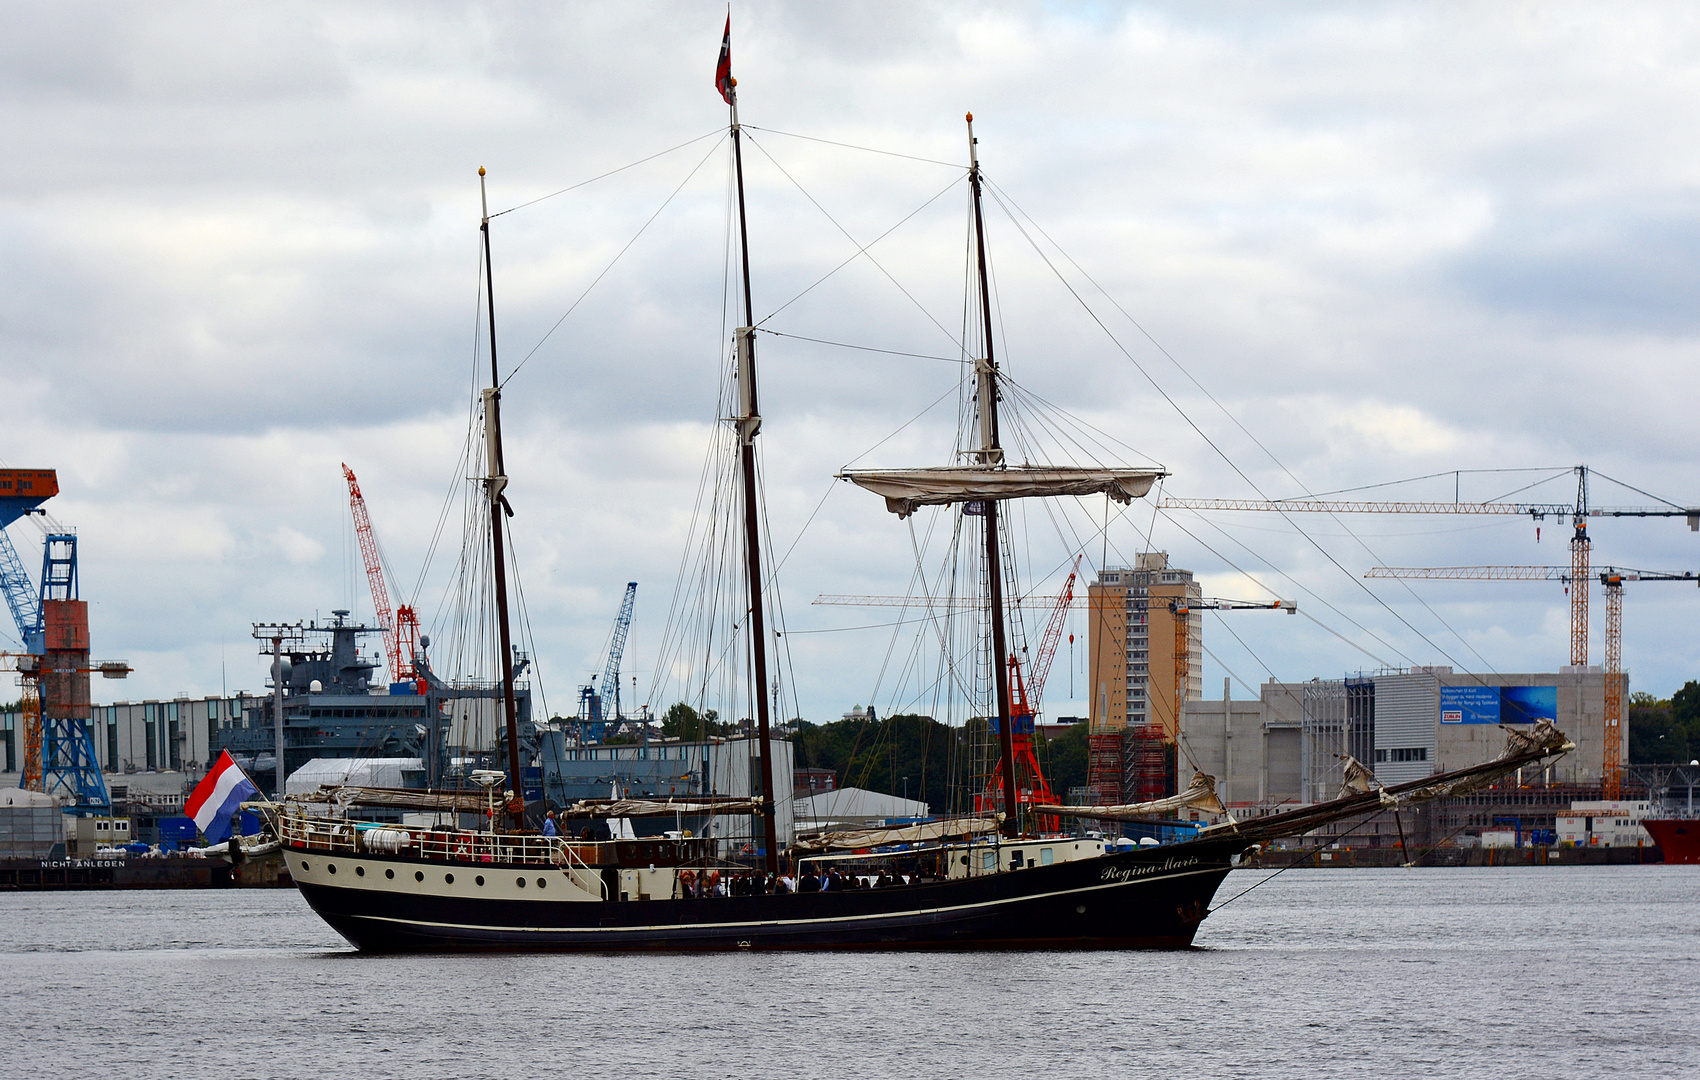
{"x":217,"y":797}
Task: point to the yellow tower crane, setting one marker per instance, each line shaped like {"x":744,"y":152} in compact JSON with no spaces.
{"x":1612,"y":578}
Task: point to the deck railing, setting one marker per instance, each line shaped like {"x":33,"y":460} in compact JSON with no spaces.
{"x":449,"y":845}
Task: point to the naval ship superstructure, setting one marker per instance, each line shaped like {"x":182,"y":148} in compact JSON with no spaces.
{"x":335,"y":705}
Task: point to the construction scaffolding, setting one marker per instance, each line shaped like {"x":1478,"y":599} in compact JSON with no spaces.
{"x":1104,"y":769}
{"x":1322,"y":739}
{"x":1146,"y":764}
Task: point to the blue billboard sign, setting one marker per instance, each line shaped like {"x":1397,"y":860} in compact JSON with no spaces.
{"x":1527,"y":704}
{"x":1498,"y":704}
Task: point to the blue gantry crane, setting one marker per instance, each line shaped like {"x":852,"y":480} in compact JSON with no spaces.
{"x":595,"y":697}
{"x":59,"y":753}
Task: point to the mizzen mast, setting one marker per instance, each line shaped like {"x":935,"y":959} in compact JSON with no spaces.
{"x":495,"y":480}
{"x":748,"y":425}
{"x":990,"y":456}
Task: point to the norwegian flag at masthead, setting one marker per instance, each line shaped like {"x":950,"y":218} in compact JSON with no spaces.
{"x":723,"y":70}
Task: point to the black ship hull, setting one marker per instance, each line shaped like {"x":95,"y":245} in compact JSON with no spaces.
{"x":1149,"y":899}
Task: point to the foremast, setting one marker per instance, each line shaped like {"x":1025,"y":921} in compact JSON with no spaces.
{"x":495,"y":481}
{"x":748,"y":423}
{"x":988,"y":479}
{"x":990,"y":456}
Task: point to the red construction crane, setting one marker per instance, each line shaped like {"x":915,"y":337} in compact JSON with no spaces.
{"x":1031,"y":788}
{"x":400,"y":626}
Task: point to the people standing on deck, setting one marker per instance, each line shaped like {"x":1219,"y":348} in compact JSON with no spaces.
{"x":549,"y":824}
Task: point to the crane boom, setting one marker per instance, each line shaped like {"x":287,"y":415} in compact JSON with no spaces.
{"x":1053,"y":635}
{"x":1031,"y":601}
{"x":617,"y":648}
{"x":20,"y":595}
{"x":1182,"y":607}
{"x":1520,"y":573}
{"x":375,"y":576}
{"x":1537,"y":511}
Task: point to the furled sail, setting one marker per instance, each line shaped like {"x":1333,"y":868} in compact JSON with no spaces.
{"x":615,"y":808}
{"x":921,"y":833}
{"x":1200,"y":795}
{"x":346,"y":795}
{"x":906,"y":489}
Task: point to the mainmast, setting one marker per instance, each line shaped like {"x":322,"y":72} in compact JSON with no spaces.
{"x":749,"y":423}
{"x":990,"y":455}
{"x":495,"y":480}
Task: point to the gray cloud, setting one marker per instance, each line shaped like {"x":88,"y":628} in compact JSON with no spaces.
{"x":239,"y":248}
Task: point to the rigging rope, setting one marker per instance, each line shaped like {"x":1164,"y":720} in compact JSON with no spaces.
{"x":1356,"y":581}
{"x":605,"y":270}
{"x":852,"y":146}
{"x":612,"y":172}
{"x":863,"y":248}
{"x":1301,"y":858}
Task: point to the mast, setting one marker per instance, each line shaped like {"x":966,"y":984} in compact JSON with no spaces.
{"x":495,"y":481}
{"x":749,"y":423}
{"x":991,"y":457}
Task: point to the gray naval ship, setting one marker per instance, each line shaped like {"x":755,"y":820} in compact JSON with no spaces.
{"x":335,"y":707}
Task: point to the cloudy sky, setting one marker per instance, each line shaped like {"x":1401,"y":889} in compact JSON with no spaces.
{"x":1338,"y":245}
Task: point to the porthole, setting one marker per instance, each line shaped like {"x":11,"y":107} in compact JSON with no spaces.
{"x":331,"y":867}
{"x":1080,"y":909}
{"x":479,"y":880}
{"x":520,"y":882}
{"x":389,"y":873}
{"x":542,"y":884}
{"x":303,"y":866}
{"x":359,"y":871}
{"x":448,"y":879}
{"x":419,"y":875}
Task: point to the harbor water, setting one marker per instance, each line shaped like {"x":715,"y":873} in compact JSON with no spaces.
{"x":1547,"y":972}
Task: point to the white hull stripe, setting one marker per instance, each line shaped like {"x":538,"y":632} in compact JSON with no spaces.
{"x":774,"y":922}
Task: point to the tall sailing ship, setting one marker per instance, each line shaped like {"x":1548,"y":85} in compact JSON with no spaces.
{"x":984,"y":881}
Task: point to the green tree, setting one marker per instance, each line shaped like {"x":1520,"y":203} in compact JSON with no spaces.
{"x":1067,"y":754}
{"x":1665,"y":732}
{"x":909,"y":753}
{"x":1685,"y":703}
{"x":680,"y":721}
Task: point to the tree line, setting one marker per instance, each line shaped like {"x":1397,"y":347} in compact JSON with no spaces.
{"x":933,"y":762}
{"x":1665,"y":732}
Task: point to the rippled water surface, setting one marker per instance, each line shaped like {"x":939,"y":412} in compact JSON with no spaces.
{"x":1467,"y":972}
